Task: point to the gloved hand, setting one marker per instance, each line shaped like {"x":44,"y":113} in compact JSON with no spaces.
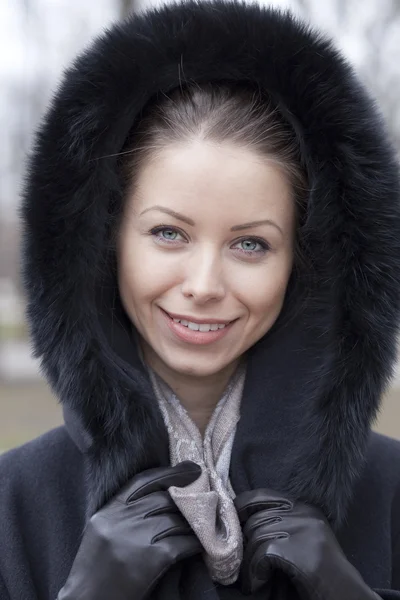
{"x":134,"y":539}
{"x":296,"y":539}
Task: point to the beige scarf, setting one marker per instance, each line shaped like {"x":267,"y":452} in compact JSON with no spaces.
{"x":207,"y":503}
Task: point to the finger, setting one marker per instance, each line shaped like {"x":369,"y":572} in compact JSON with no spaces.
{"x":250,"y":583}
{"x":265,"y":565}
{"x":160,"y":479}
{"x":302,"y":519}
{"x":153,"y":504}
{"x":263,"y":520}
{"x":175,"y":550}
{"x":169,"y":526}
{"x":265,"y":537}
{"x":252,"y":501}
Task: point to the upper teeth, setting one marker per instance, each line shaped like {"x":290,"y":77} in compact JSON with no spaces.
{"x":200,"y":327}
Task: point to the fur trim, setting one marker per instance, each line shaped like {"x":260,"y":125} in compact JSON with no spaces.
{"x":334,"y":361}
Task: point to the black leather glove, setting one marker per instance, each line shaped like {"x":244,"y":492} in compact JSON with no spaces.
{"x":134,"y":539}
{"x":296,"y":539}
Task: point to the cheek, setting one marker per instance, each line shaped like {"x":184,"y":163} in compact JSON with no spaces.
{"x":263,"y":290}
{"x":142,"y":275}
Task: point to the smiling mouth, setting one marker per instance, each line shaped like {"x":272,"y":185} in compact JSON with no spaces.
{"x":197,"y":333}
{"x":201,"y":324}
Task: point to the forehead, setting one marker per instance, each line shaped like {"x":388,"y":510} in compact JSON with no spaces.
{"x":226,"y":180}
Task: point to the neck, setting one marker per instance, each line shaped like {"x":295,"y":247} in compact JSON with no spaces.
{"x":198,"y":394}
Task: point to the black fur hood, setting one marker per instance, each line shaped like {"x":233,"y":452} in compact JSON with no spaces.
{"x":312,"y":388}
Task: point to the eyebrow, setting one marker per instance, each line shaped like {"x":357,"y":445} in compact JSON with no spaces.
{"x":180,"y":217}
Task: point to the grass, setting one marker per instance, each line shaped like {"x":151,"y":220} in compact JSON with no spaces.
{"x":13,"y":331}
{"x":27,"y":410}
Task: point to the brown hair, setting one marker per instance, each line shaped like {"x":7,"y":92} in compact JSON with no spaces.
{"x":216,"y":112}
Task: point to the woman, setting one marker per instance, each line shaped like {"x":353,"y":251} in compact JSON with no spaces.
{"x":211,"y":257}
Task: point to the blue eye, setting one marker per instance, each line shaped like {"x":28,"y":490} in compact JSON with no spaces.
{"x":165,"y":233}
{"x":164,"y":229}
{"x":168,"y":235}
{"x":250,"y":250}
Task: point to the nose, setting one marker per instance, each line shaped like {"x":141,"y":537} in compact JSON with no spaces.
{"x":203,"y":279}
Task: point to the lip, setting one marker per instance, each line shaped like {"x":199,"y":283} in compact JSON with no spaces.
{"x":187,"y":335}
{"x":198,"y":321}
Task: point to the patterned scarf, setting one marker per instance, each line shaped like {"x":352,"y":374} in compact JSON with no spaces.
{"x":207,"y":503}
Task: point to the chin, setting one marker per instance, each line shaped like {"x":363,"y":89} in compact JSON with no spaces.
{"x":199,"y":368}
{"x":194,"y":369}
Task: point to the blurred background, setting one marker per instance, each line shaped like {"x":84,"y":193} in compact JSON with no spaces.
{"x":38,"y":40}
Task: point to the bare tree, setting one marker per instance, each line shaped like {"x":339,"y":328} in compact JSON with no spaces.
{"x":375,"y":32}
{"x":378,"y":71}
{"x":127,"y":7}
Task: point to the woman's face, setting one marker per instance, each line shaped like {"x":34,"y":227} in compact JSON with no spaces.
{"x":189,"y":246}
